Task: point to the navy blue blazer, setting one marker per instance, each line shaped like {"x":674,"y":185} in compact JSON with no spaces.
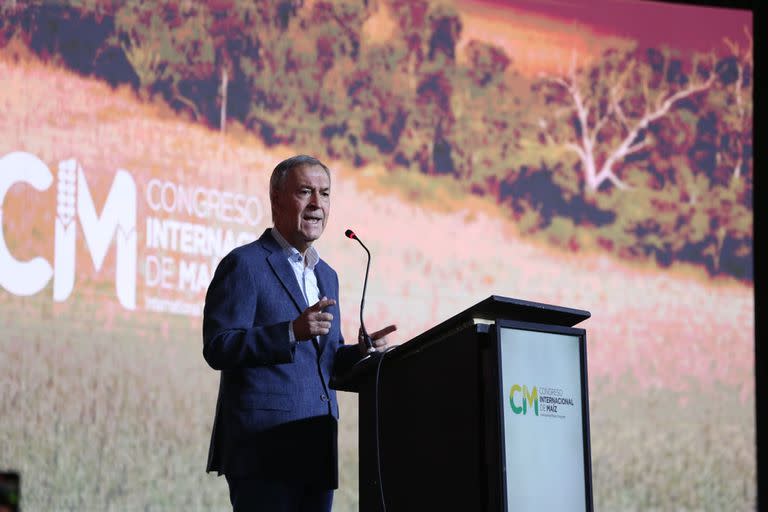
{"x":276,"y":416}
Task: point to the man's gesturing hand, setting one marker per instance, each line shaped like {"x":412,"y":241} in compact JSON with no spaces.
{"x":313,"y":322}
{"x":379,"y":339}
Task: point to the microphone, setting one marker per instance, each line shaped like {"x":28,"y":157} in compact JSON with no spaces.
{"x":372,"y":354}
{"x":366,"y":338}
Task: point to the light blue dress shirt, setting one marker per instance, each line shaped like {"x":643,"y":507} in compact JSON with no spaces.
{"x":304,"y":269}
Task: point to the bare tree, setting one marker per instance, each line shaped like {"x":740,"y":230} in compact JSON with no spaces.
{"x":224,"y":87}
{"x":611,"y":105}
{"x":742,"y":117}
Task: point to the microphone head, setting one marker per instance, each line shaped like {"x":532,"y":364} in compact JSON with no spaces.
{"x":350,"y":234}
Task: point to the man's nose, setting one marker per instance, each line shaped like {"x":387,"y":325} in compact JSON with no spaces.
{"x":314,"y":199}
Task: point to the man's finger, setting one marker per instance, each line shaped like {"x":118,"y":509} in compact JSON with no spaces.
{"x":322,"y":304}
{"x":383,"y":332}
{"x":321,"y":328}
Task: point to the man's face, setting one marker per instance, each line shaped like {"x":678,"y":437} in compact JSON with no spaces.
{"x":301,"y":206}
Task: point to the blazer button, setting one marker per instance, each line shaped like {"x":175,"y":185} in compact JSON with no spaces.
{"x":324,"y":398}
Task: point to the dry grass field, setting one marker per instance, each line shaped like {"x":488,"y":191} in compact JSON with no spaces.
{"x":106,"y":409}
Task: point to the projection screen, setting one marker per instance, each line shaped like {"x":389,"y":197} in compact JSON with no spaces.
{"x":595,"y":155}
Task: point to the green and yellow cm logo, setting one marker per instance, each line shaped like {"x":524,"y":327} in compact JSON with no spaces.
{"x":528,"y":399}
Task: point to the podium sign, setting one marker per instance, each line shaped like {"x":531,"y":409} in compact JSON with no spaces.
{"x":544,"y":416}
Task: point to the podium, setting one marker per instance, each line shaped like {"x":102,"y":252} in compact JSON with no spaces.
{"x":487,"y":411}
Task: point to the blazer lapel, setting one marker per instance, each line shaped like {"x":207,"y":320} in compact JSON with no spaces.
{"x":283,"y":271}
{"x":325,"y":291}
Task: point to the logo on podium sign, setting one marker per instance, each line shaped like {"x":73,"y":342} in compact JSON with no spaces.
{"x":521,"y":399}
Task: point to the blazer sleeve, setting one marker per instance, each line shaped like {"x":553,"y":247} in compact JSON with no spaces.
{"x":346,"y":355}
{"x":230,"y":339}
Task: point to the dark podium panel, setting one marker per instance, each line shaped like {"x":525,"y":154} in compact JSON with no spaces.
{"x":432,"y":431}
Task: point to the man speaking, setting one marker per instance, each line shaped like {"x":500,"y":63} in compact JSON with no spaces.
{"x":271,"y":326}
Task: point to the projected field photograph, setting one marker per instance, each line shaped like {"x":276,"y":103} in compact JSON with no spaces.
{"x":592,"y":155}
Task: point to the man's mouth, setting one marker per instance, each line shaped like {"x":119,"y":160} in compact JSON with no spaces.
{"x":313,"y":219}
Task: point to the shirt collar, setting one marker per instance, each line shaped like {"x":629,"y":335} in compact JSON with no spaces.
{"x":293,"y":254}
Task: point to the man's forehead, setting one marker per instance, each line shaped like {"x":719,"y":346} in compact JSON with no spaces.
{"x":310,"y":176}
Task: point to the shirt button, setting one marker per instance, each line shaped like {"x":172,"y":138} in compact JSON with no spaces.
{"x":324,"y":398}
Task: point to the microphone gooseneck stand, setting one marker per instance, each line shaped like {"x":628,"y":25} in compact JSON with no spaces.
{"x":372,"y":353}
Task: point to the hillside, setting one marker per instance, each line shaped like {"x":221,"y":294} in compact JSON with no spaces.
{"x":665,"y":345}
